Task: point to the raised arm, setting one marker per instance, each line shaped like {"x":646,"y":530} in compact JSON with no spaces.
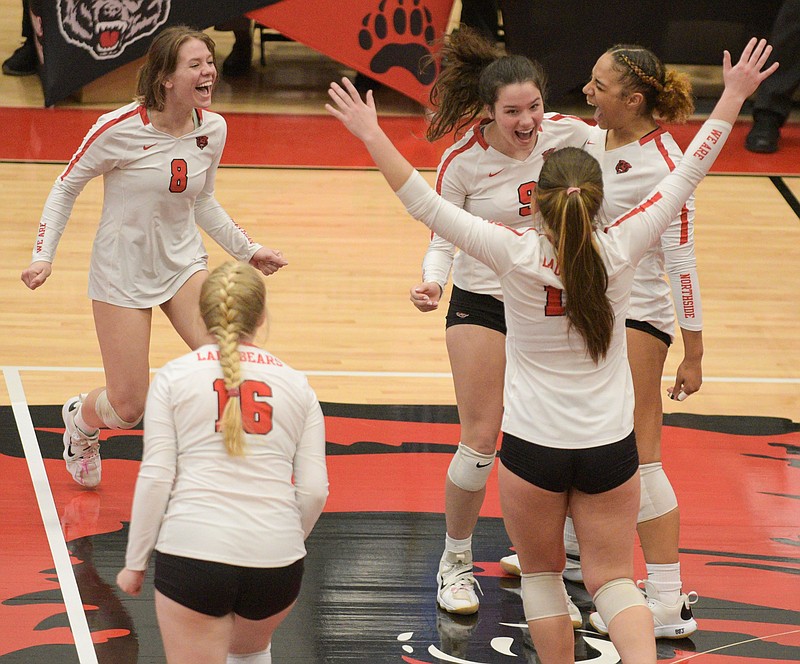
{"x":741,"y":81}
{"x":361,"y":120}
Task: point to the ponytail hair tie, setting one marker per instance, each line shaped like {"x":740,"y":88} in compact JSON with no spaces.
{"x":233,"y":392}
{"x":573,"y":190}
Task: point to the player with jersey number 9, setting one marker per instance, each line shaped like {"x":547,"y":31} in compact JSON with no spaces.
{"x":158,"y":157}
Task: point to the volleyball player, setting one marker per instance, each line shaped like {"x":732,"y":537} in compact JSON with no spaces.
{"x":568,"y":440}
{"x":491,"y":171}
{"x":158,"y":157}
{"x":232,"y":481}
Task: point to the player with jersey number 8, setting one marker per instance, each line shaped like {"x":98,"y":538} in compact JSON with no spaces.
{"x":158,"y":157}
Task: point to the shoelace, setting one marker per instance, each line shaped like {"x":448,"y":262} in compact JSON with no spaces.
{"x":90,"y":451}
{"x":464,"y":582}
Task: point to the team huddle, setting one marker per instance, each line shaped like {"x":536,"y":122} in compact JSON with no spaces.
{"x":564,"y":293}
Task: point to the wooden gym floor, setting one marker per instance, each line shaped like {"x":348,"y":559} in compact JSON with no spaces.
{"x":340,"y":312}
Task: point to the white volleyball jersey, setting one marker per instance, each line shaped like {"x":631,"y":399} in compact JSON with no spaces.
{"x":156,"y":189}
{"x":554,"y":394}
{"x":494,"y":186}
{"x":630,"y":172}
{"x":192,"y":499}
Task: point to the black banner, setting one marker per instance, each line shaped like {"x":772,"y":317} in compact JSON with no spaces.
{"x":79,"y":41}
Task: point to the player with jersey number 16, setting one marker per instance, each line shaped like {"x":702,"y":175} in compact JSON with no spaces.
{"x":233,"y":479}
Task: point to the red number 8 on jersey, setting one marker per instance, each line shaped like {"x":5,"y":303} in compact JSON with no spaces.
{"x":178,"y":176}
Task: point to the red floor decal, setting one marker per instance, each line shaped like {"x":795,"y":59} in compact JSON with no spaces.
{"x":368,"y":593}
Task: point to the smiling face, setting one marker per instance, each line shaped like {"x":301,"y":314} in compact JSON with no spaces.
{"x":606,"y":93}
{"x":517,"y":114}
{"x":192,"y":81}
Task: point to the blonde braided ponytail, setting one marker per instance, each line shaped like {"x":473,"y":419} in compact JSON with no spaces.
{"x":232,"y":301}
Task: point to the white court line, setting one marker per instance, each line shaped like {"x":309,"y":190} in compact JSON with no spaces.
{"x":50,"y":520}
{"x":733,"y":645}
{"x":764,"y":380}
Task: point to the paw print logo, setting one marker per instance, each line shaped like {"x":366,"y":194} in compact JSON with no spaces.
{"x":401,"y":37}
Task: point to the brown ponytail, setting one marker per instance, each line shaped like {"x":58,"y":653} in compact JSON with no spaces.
{"x":471,"y":74}
{"x":569,"y":194}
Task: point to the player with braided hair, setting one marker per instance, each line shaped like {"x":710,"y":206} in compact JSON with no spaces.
{"x":632,"y":91}
{"x":233,"y":479}
{"x":221,"y":300}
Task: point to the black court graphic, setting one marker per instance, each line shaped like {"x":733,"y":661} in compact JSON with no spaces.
{"x":399,"y":33}
{"x":369,"y":592}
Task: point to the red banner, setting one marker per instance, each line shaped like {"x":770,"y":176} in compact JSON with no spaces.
{"x":384,"y":39}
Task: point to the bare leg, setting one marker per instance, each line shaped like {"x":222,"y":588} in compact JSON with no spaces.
{"x":190,"y":637}
{"x":255,"y":635}
{"x":124,"y":338}
{"x":183,"y":311}
{"x":534,"y":520}
{"x":606,"y":525}
{"x":477,"y":360}
{"x":646,"y":354}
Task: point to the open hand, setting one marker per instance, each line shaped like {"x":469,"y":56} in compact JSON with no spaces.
{"x":360,"y":117}
{"x":746,"y":75}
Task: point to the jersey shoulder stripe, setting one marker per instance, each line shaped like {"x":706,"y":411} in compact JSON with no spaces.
{"x":91,"y":139}
{"x":659,"y":137}
{"x":662,"y":149}
{"x":454,"y":152}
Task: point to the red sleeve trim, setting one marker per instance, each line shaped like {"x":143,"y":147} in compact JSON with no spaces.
{"x":96,"y":135}
{"x":638,"y":209}
{"x":476,"y":137}
{"x":684,"y":225}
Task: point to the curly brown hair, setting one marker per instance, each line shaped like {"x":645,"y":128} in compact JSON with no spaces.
{"x":667,"y":92}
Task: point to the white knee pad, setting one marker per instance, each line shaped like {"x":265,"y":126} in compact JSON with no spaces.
{"x":260,"y":657}
{"x":469,"y":469}
{"x":615,"y":597}
{"x":106,"y":412}
{"x":657,"y":497}
{"x":543,"y":595}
